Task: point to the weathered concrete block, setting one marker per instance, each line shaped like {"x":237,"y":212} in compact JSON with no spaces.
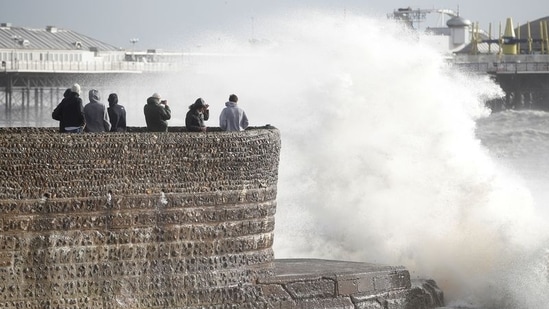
{"x":337,"y":303}
{"x":321,"y":288}
{"x":275,"y":292}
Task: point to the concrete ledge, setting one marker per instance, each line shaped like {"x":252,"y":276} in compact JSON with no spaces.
{"x":315,"y":283}
{"x":348,"y":277}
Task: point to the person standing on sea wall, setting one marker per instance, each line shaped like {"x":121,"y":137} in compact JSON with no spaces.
{"x":232,"y":117}
{"x":157,"y":113}
{"x":197,"y":114}
{"x":56,"y":114}
{"x":117,"y":114}
{"x":95,"y":112}
{"x":70,"y":111}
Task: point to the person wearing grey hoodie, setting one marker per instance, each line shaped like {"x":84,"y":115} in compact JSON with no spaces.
{"x":95,"y":112}
{"x":232,"y":117}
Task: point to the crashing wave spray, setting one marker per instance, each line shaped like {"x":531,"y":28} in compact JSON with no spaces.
{"x":380,"y":162}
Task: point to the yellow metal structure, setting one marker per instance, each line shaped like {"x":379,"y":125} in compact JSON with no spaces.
{"x":544,"y":37}
{"x":509,"y":39}
{"x":530,"y":40}
{"x":474,"y":39}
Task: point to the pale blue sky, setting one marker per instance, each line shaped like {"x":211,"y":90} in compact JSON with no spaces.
{"x":160,"y":23}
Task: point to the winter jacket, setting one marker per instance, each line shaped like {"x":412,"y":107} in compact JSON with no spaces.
{"x":69,"y":112}
{"x":156,"y":115}
{"x":233,"y":118}
{"x":117,"y":115}
{"x":194,"y":121}
{"x":97,"y":117}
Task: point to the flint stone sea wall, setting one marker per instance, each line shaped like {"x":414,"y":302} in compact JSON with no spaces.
{"x":164,"y":220}
{"x":136,"y":219}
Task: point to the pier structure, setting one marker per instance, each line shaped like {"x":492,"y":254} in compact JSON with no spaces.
{"x":523,"y":78}
{"x":516,"y":58}
{"x":37,"y":65}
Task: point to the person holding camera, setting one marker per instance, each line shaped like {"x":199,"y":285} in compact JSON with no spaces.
{"x":197,"y":114}
{"x":157,"y":113}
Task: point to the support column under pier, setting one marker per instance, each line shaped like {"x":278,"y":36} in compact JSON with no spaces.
{"x":27,"y":99}
{"x":23,"y":99}
{"x":523,"y":91}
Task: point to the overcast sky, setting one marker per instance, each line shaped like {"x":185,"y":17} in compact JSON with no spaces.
{"x":173,"y":24}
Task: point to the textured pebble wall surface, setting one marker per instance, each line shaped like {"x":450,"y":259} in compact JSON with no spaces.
{"x":137,"y":219}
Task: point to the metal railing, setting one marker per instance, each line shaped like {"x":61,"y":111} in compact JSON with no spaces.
{"x":502,"y":63}
{"x":90,"y":66}
{"x":528,"y":67}
{"x":504,"y":67}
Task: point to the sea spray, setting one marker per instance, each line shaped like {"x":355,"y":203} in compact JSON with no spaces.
{"x":380,"y":162}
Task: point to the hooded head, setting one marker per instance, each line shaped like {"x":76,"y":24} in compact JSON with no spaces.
{"x":154,"y":98}
{"x":94,"y":95}
{"x":198,"y":104}
{"x":75,"y":88}
{"x":67,"y":93}
{"x":113,"y":99}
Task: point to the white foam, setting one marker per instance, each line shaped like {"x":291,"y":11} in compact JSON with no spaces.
{"x":380,"y":162}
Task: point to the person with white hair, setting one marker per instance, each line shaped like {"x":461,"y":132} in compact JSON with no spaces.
{"x":70,"y":111}
{"x":157,"y":113}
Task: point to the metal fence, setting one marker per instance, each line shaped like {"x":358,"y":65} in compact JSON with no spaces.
{"x":90,"y":66}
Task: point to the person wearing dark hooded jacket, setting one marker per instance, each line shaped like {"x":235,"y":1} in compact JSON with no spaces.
{"x":70,"y":111}
{"x":157,"y":114}
{"x":56,"y":114}
{"x":197,"y":114}
{"x":117,"y":114}
{"x":95,"y":112}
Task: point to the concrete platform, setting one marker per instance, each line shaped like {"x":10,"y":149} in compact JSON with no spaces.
{"x":317,"y":283}
{"x":349,"y":277}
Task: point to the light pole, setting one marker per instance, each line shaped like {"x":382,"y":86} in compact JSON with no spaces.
{"x":15,"y":39}
{"x":133,"y":41}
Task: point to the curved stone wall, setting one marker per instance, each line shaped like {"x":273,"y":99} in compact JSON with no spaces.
{"x":136,"y":220}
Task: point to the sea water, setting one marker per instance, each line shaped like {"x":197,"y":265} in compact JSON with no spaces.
{"x":388,"y":156}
